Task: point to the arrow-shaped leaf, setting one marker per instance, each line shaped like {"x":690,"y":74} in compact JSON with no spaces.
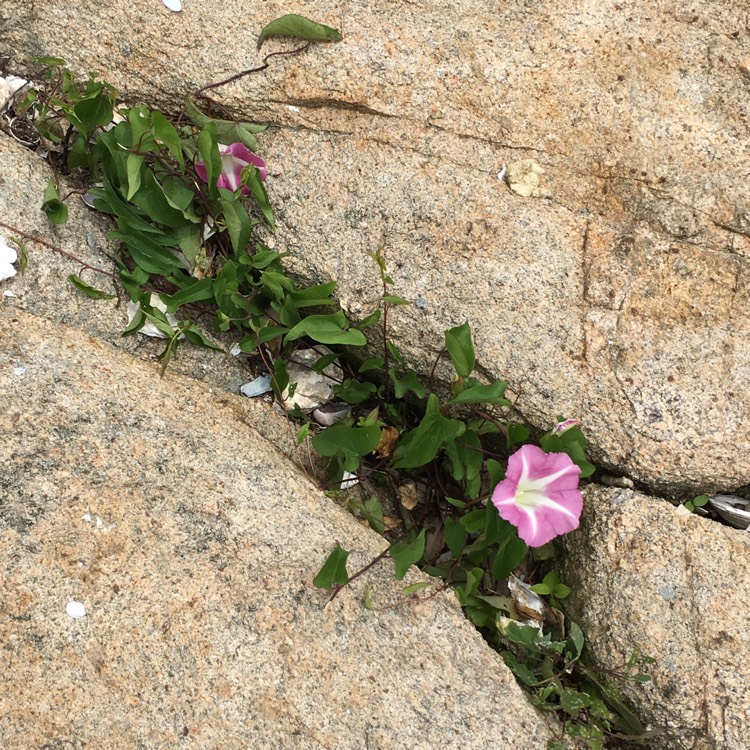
{"x":300,"y":28}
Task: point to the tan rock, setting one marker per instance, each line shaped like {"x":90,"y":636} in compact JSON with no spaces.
{"x":620,"y":300}
{"x":650,"y":577}
{"x":191,"y":544}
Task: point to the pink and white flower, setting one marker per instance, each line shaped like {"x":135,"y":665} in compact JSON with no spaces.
{"x":539,"y":495}
{"x":234,"y":158}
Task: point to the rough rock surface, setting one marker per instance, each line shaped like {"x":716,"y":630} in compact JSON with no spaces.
{"x":655,"y":578}
{"x":622,"y":299}
{"x":192,"y":544}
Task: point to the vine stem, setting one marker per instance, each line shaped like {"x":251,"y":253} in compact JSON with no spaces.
{"x":57,"y":249}
{"x":247,"y":72}
{"x":340,"y":586}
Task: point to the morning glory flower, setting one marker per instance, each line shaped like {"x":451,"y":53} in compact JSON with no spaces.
{"x":564,"y":426}
{"x":539,"y":495}
{"x":234,"y":158}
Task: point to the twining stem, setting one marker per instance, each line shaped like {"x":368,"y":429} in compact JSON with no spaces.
{"x":35,"y":238}
{"x":247,"y":72}
{"x":337,"y":587}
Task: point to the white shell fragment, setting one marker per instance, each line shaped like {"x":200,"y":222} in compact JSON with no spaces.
{"x":149,"y":329}
{"x":8,"y":256}
{"x":523,"y":179}
{"x":19,"y":371}
{"x":348,"y":480}
{"x":313,"y":389}
{"x":235,"y":351}
{"x":734,"y":510}
{"x":329,"y":414}
{"x":173,"y":5}
{"x":8,"y":293}
{"x":76,"y":610}
{"x":9,"y":86}
{"x":257,"y":387}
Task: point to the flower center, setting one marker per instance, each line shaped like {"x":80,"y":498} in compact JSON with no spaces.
{"x":529,"y":496}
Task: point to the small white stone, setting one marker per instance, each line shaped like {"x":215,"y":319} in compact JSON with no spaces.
{"x":8,"y":293}
{"x":174,"y":5}
{"x":19,"y":371}
{"x":292,"y":108}
{"x":86,"y":517}
{"x":76,"y":610}
{"x":235,"y":351}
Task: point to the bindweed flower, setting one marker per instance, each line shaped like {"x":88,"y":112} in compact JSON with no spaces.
{"x":564,"y":426}
{"x":539,"y":495}
{"x":234,"y":158}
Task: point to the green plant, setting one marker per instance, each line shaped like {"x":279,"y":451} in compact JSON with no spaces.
{"x":190,"y":207}
{"x":697,"y":502}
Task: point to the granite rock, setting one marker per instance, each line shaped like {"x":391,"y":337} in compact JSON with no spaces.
{"x":192,"y":543}
{"x":650,"y":577}
{"x":622,"y":299}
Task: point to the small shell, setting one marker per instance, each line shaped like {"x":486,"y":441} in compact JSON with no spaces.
{"x":76,"y":610}
{"x":733,"y":509}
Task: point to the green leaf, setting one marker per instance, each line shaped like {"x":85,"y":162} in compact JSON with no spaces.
{"x":56,"y":210}
{"x":371,"y":364}
{"x":575,"y":639}
{"x":483,"y":394}
{"x":405,"y":554}
{"x":495,"y":471}
{"x":209,"y":153}
{"x":298,"y":27}
{"x":87,"y":289}
{"x":148,"y":254}
{"x":94,"y":112}
{"x":23,"y":257}
{"x":392,"y":299}
{"x":409,"y":590}
{"x":333,"y":570}
{"x":520,"y":670}
{"x":420,"y":445}
{"x":237,"y":220}
{"x":227,"y":131}
{"x":368,"y":597}
{"x":517,"y":433}
{"x":349,"y":443}
{"x":372,"y":510}
{"x":465,"y":460}
{"x":198,"y":338}
{"x":455,"y":536}
{"x":165,"y":132}
{"x":354,"y":391}
{"x":461,"y":350}
{"x":511,"y":550}
{"x":327,"y":329}
{"x":573,"y":701}
{"x":251,"y":177}
{"x":134,"y":175}
{"x":198,"y":291}
{"x":409,"y":382}
{"x":78,"y":153}
{"x":522,"y":635}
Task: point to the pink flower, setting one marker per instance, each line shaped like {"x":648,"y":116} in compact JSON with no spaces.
{"x":564,"y":426}
{"x":539,"y":495}
{"x":234,"y":158}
